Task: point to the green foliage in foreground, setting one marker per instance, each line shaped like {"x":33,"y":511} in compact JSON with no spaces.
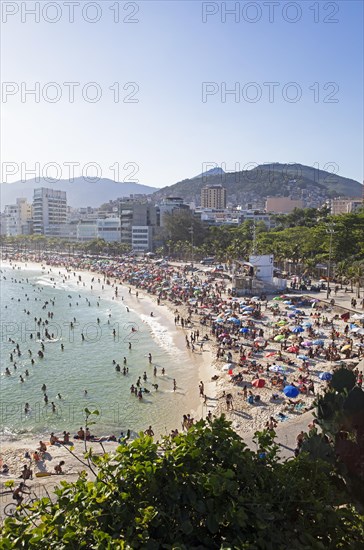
{"x":206,"y":490}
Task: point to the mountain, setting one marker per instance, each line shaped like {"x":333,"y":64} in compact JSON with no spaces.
{"x":217,"y":171}
{"x":274,"y":179}
{"x":80,"y":192}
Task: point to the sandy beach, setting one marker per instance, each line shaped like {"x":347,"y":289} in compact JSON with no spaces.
{"x":254,"y":362}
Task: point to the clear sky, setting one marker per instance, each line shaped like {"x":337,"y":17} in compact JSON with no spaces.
{"x":175,"y":60}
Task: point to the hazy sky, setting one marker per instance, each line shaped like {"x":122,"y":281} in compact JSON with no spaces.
{"x":294,"y":70}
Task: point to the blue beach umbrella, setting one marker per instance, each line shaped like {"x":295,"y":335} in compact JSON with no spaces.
{"x":296,"y":330}
{"x":303,"y":357}
{"x":318,"y":342}
{"x":325,"y":376}
{"x":244,"y":330}
{"x":291,"y":391}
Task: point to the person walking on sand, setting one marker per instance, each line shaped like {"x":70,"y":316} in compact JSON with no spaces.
{"x":174,"y":384}
{"x":229,"y":402}
{"x":202,"y":389}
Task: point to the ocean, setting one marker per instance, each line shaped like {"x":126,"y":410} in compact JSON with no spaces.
{"x":35,"y":301}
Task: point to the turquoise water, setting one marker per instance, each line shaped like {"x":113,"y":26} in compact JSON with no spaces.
{"x":84,"y":365}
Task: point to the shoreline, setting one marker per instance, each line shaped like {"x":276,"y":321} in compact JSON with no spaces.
{"x":140,"y":306}
{"x":245,"y":418}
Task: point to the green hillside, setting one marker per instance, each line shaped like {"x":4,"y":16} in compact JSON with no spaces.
{"x":268,"y":179}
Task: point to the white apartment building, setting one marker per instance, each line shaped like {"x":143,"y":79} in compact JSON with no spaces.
{"x":50,"y":212}
{"x":109,"y":229}
{"x":17,"y":218}
{"x":142,"y":238}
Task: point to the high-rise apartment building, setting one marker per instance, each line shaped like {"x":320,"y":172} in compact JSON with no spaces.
{"x":50,"y":212}
{"x":213,"y":196}
{"x":17,"y":218}
{"x":138,"y":221}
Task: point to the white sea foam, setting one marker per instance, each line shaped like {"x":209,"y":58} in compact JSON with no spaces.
{"x":161,"y":335}
{"x":45,"y":282}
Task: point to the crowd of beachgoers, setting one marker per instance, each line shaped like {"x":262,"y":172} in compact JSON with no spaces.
{"x":269,"y":357}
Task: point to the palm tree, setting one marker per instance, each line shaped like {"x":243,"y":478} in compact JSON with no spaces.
{"x":356,"y":273}
{"x":341,"y":270}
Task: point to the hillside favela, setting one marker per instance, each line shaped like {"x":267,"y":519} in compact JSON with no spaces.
{"x":182,"y":344}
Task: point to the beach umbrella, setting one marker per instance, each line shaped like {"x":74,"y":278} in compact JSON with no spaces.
{"x":307,"y":343}
{"x":297,"y":330}
{"x":325,"y":376}
{"x":345,"y":348}
{"x":293,"y":349}
{"x":282,"y":322}
{"x":291,"y":307}
{"x":291,"y":315}
{"x":360,"y":331}
{"x":244,"y":330}
{"x":288,"y":302}
{"x":279,"y":338}
{"x":318,"y":342}
{"x":248,"y":308}
{"x":291,"y":391}
{"x":276,"y":298}
{"x":271,"y":353}
{"x":259,"y":339}
{"x":307,"y":324}
{"x":303,"y":357}
{"x":259,"y":383}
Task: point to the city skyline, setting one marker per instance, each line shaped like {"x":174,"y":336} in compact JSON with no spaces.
{"x":126,"y":88}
